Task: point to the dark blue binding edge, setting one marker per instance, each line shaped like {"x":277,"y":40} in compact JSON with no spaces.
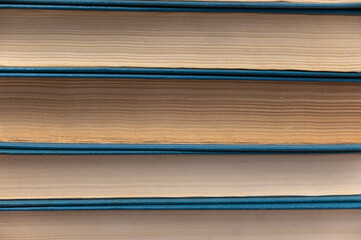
{"x":187,"y":6}
{"x":190,"y":203}
{"x":135,"y":149}
{"x":200,"y":4}
{"x":173,"y":73}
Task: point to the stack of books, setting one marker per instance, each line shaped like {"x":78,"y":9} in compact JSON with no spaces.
{"x":180,"y":119}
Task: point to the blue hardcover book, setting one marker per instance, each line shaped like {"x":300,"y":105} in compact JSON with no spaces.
{"x":178,"y":111}
{"x":303,"y":36}
{"x":221,"y":224}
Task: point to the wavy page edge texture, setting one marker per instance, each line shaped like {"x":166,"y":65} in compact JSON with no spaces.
{"x":156,"y":73}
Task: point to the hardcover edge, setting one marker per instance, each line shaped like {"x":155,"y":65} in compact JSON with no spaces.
{"x":180,"y":73}
{"x":195,"y":203}
{"x":151,"y":149}
{"x":188,"y":6}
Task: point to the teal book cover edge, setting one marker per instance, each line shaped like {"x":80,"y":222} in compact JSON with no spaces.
{"x":187,"y":6}
{"x":157,"y":149}
{"x":195,"y":203}
{"x":180,"y":73}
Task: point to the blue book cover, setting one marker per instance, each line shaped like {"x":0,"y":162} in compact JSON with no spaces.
{"x":189,"y":6}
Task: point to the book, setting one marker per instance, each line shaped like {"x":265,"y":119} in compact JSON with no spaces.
{"x":267,"y":224}
{"x":162,"y":110}
{"x":222,"y":40}
{"x":178,"y":176}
